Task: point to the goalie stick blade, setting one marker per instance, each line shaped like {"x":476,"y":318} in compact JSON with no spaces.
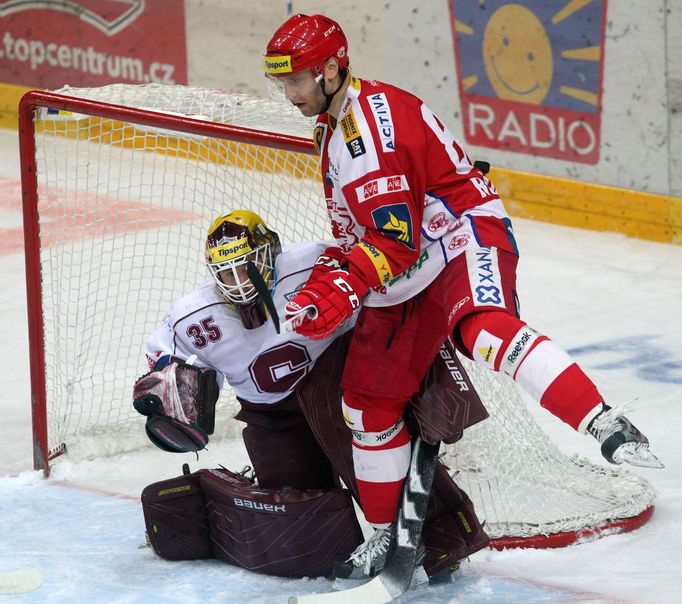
{"x":20,"y":581}
{"x":308,"y":312}
{"x":261,"y":287}
{"x":396,"y":576}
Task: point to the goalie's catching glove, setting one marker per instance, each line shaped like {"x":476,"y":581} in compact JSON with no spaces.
{"x":179,"y":402}
{"x":620,"y":440}
{"x":336,"y":295}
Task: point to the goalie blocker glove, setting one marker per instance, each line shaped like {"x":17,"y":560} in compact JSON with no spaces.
{"x":336,"y":294}
{"x":620,"y":440}
{"x":179,"y":402}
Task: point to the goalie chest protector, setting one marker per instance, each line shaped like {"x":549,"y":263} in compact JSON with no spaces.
{"x":283,"y":532}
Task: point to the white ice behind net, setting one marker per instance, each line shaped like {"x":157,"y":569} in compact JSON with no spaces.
{"x":122,"y":230}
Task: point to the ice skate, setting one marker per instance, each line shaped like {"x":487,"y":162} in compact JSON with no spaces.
{"x":621,"y":441}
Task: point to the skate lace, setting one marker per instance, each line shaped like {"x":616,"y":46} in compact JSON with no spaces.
{"x":608,"y":423}
{"x":374,"y":547}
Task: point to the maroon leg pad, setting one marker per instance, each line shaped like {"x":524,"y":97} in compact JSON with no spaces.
{"x":447,"y":402}
{"x":452,"y":530}
{"x":279,"y":532}
{"x":175,"y":518}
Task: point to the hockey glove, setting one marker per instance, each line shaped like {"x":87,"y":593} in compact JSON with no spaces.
{"x":336,"y":295}
{"x":179,"y":402}
{"x":329,"y":260}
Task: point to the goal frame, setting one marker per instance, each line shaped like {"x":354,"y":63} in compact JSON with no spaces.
{"x":29,"y":103}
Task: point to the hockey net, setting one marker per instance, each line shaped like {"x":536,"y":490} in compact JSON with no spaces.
{"x":120,"y":184}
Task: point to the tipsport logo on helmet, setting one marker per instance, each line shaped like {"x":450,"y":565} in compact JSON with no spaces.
{"x":229,"y":250}
{"x":530,"y":75}
{"x":277,"y":65}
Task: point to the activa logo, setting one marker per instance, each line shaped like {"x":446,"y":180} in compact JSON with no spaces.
{"x":383,"y":120}
{"x":110,"y":19}
{"x":258,"y":505}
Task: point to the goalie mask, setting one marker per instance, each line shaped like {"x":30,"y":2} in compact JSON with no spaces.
{"x":232,"y":241}
{"x":302,"y":43}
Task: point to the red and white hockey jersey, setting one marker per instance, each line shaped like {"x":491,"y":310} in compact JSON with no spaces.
{"x":260,"y":365}
{"x":402,"y":196}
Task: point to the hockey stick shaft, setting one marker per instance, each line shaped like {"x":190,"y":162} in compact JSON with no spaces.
{"x":288,"y":325}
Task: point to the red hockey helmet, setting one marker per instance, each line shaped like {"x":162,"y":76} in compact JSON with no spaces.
{"x":305,"y":42}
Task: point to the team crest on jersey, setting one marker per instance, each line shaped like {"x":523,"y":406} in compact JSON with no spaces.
{"x":384,"y":121}
{"x":395,"y":221}
{"x":351,"y":134}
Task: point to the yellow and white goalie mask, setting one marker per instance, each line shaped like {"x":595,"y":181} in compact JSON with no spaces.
{"x":233,"y":240}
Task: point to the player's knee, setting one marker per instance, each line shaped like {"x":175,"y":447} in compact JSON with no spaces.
{"x":364,"y":413}
{"x":497,"y":340}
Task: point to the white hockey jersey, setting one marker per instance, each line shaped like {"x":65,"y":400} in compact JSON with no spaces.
{"x":260,"y":365}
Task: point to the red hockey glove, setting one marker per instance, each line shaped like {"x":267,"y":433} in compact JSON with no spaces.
{"x":329,"y":260}
{"x":335,"y":294}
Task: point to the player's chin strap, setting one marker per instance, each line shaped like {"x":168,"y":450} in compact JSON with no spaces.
{"x":330,"y":97}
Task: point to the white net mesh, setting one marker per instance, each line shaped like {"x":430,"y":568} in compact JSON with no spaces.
{"x":123,"y":212}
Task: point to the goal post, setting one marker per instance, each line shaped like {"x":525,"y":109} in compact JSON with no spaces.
{"x":119,"y":186}
{"x":74,"y":152}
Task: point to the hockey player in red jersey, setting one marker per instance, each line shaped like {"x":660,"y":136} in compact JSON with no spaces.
{"x":425,"y":244}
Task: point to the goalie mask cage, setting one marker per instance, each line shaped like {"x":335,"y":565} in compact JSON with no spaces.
{"x":119,"y":186}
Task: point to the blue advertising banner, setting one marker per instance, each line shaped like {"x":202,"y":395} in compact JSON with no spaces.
{"x":530,"y":75}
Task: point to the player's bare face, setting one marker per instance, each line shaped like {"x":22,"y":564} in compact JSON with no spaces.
{"x":302,"y":91}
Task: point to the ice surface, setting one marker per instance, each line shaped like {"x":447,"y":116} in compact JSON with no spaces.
{"x":614,"y":302}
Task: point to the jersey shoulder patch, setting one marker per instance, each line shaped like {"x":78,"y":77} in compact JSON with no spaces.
{"x":394,"y":220}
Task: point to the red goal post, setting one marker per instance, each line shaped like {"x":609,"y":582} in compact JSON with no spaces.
{"x":119,"y":184}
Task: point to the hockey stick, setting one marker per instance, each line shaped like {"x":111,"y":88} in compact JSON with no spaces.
{"x":309,"y":312}
{"x":20,"y":581}
{"x":396,"y":576}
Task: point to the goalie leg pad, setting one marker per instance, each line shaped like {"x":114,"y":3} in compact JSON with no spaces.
{"x":452,"y":530}
{"x":287,"y":533}
{"x":447,"y":402}
{"x":175,"y":518}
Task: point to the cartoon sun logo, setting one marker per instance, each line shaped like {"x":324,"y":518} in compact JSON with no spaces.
{"x":517,"y":54}
{"x":531,"y":52}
